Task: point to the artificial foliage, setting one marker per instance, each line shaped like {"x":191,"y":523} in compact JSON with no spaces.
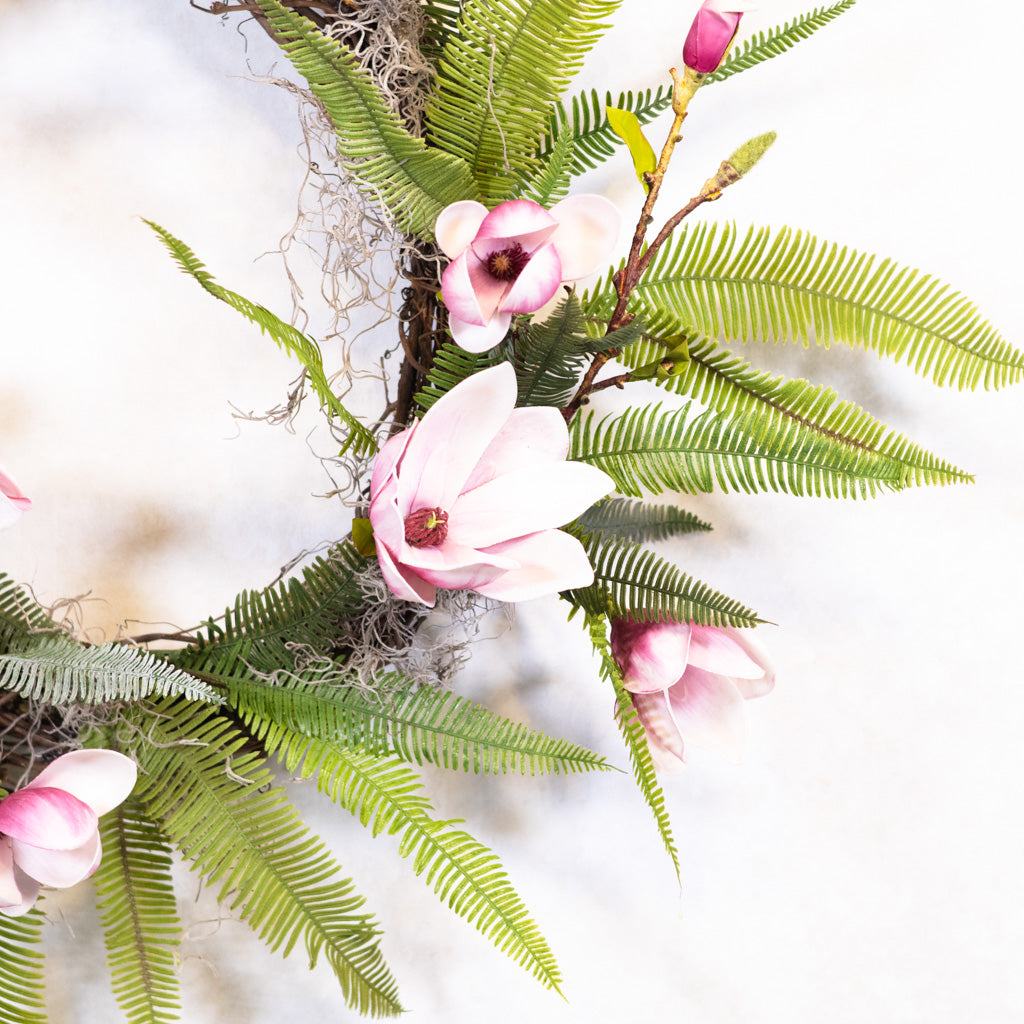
{"x":311,"y":677}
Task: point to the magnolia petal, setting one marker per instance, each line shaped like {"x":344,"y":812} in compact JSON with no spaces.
{"x":386,"y":462}
{"x":552,"y":561}
{"x":538,"y":282}
{"x":464,"y":577}
{"x":488,"y":291}
{"x":663,"y":737}
{"x":457,"y":226}
{"x":47,"y":817}
{"x":58,"y":868}
{"x":386,"y":518}
{"x":449,"y":556}
{"x":514,"y":219}
{"x":13,"y":493}
{"x":474,"y":338}
{"x":100,"y":778}
{"x":652,"y":655}
{"x":719,"y":650}
{"x":403,"y":583}
{"x":530,"y":436}
{"x":11,"y":894}
{"x":451,"y":437}
{"x":526,"y":501}
{"x":709,"y":711}
{"x":588,"y":228}
{"x":765,"y":682}
{"x":459,"y":293}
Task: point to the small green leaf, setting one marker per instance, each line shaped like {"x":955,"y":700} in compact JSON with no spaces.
{"x":362,"y":537}
{"x":626,"y":125}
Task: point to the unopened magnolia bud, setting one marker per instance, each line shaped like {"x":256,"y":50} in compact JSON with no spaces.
{"x":750,"y":152}
{"x":712,"y":33}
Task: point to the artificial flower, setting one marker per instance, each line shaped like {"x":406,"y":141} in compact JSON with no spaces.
{"x":712,"y":33}
{"x":513,"y":259}
{"x":48,"y":829}
{"x":690,"y":682}
{"x":12,"y":501}
{"x":469,"y":498}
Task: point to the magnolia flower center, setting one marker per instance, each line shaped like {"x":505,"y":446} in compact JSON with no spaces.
{"x":426,"y":527}
{"x":507,"y":264}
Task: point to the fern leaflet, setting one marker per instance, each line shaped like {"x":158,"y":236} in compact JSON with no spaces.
{"x":21,"y":969}
{"x":639,"y":521}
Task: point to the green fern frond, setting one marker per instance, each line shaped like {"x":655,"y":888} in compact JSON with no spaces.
{"x":59,"y":670}
{"x":416,"y":723}
{"x":585,"y":122}
{"x":765,"y":45}
{"x":776,"y":286}
{"x":284,"y":335}
{"x":451,"y":366}
{"x":499,"y":74}
{"x":21,"y":969}
{"x":726,"y":383}
{"x":633,"y":734}
{"x":386,"y":797}
{"x":413,"y":182}
{"x":139,"y":915}
{"x":440,"y":20}
{"x":646,"y":449}
{"x":638,"y":520}
{"x":216,"y":803}
{"x":549,"y":357}
{"x":263,"y":628}
{"x":630,"y":580}
{"x":557,"y":169}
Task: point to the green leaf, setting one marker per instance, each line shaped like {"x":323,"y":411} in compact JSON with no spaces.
{"x":639,"y":521}
{"x":139,"y":915}
{"x":789,"y":286}
{"x":635,"y":739}
{"x":21,"y":974}
{"x":626,"y":125}
{"x":60,"y":670}
{"x":386,"y":797}
{"x":500,"y":72}
{"x":287,"y":337}
{"x":417,"y":723}
{"x":629,"y":580}
{"x":21,"y":617}
{"x":726,"y":383}
{"x":414,"y":182}
{"x":765,"y":45}
{"x":215,"y":802}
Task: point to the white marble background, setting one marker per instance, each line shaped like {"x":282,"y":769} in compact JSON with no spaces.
{"x":863,"y":863}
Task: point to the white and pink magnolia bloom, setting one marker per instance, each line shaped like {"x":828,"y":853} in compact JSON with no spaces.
{"x":12,"y":501}
{"x":689,"y":682}
{"x":513,"y":258}
{"x":469,"y":498}
{"x":712,"y":32}
{"x":48,"y":829}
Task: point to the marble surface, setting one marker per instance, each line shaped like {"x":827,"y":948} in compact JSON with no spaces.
{"x":862,"y":863}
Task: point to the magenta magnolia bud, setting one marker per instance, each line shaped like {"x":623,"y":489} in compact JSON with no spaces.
{"x":712,"y":33}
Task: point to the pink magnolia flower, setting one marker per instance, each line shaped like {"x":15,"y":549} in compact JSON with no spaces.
{"x":513,"y":259}
{"x":469,"y":497}
{"x":690,"y":681}
{"x":48,"y":830}
{"x":12,"y":501}
{"x":712,"y":33}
